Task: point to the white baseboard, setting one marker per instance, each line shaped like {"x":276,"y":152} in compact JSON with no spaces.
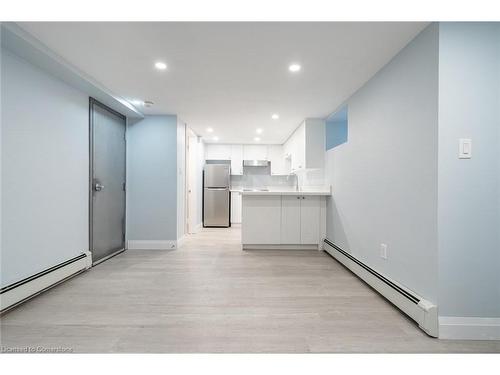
{"x":469,"y":328}
{"x":34,"y":285}
{"x":180,"y":241}
{"x":151,"y":244}
{"x":196,"y":229}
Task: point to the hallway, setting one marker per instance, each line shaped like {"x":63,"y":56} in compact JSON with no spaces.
{"x":209,"y":296}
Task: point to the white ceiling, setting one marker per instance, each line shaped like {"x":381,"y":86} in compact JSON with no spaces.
{"x":230,"y":76}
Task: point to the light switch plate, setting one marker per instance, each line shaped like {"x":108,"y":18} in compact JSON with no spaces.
{"x":383,"y":251}
{"x":464,"y":148}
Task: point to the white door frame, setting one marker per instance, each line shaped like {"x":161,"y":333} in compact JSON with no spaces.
{"x":191,"y":188}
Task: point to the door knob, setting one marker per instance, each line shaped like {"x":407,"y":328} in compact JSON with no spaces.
{"x":98,"y":186}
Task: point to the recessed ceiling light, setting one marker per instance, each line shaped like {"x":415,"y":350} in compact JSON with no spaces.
{"x":294,"y":68}
{"x":160,"y":65}
{"x":215,"y":139}
{"x":275,"y":116}
{"x":256,"y":139}
{"x":148,"y":103}
{"x":210,"y":130}
{"x":259,"y":131}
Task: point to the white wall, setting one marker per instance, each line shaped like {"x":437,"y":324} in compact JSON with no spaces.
{"x":384,"y":178}
{"x":181,"y":179}
{"x":44,"y":170}
{"x":152,"y":179}
{"x":469,"y":190}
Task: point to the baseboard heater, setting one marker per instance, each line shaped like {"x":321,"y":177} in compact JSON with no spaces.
{"x":416,"y":307}
{"x":22,"y":290}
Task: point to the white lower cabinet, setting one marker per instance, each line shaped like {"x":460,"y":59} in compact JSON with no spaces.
{"x":235,"y":207}
{"x":261,"y":219}
{"x":310,"y":214}
{"x":300,"y":219}
{"x":290,"y":219}
{"x":283,"y":220}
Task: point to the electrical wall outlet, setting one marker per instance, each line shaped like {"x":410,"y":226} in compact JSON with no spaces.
{"x":383,"y":251}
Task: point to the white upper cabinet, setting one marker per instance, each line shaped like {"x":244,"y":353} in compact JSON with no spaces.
{"x":276,"y":156}
{"x":315,"y":143}
{"x":237,"y":160}
{"x":306,"y":146}
{"x":254,"y":152}
{"x":217,"y":152}
{"x":304,"y":149}
{"x":298,"y":141}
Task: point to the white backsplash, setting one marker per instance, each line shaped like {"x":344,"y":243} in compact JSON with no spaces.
{"x":260,"y":177}
{"x":313,"y":177}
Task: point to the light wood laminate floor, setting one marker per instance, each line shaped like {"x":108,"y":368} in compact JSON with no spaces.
{"x":210,"y":296}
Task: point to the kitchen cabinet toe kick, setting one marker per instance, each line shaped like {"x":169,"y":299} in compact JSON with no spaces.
{"x":280,"y":247}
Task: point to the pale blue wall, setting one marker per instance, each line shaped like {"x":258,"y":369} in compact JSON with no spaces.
{"x":469,"y":190}
{"x":398,"y":178}
{"x":336,"y":128}
{"x":44,"y":170}
{"x":152,"y":179}
{"x":384,"y":178}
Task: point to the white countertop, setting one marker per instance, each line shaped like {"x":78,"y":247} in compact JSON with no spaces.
{"x":271,"y":191}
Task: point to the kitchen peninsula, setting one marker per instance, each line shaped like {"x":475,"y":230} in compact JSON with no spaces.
{"x":283,"y":219}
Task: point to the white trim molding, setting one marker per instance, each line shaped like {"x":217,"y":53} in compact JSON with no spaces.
{"x":469,"y":328}
{"x":181,"y":240}
{"x":151,"y":244}
{"x":278,"y":247}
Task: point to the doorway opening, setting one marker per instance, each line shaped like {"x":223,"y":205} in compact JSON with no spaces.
{"x":192,"y":180}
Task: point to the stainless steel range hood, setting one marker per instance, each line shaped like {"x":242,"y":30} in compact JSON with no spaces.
{"x":255,"y":163}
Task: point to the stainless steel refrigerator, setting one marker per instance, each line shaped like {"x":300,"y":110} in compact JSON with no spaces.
{"x":216,"y":196}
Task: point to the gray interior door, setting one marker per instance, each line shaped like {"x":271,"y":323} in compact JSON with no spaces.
{"x":107,"y":181}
